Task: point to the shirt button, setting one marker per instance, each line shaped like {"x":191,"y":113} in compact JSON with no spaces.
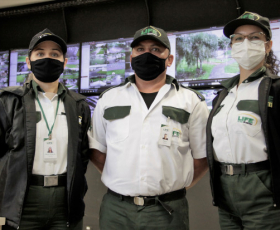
{"x":143,"y":146}
{"x":142,"y":178}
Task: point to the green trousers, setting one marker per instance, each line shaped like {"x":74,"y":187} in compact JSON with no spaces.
{"x":116,"y":214}
{"x":245,"y":202}
{"x":45,"y":209}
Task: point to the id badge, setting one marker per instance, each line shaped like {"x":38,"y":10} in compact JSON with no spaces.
{"x":50,"y":150}
{"x":165,"y":135}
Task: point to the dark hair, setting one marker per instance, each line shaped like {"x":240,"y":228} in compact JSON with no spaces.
{"x":272,"y":63}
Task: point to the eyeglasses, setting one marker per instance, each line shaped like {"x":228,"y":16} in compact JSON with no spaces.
{"x":254,"y":37}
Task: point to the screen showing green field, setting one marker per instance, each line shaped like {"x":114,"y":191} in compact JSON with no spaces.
{"x":4,"y":68}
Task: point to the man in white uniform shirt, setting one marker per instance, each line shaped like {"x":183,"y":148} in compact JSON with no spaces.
{"x":146,"y":174}
{"x":44,"y":145}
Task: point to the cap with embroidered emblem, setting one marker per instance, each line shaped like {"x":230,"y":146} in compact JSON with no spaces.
{"x":47,"y":35}
{"x":153,"y":33}
{"x":248,"y":18}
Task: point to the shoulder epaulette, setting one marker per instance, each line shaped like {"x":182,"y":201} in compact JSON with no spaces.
{"x":122,"y":84}
{"x":200,"y":96}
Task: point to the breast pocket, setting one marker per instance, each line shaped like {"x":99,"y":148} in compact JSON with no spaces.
{"x":178,"y":119}
{"x":117,"y":123}
{"x":248,"y":120}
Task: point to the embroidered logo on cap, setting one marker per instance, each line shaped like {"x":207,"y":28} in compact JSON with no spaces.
{"x":150,"y":31}
{"x":44,"y":35}
{"x":249,"y":15}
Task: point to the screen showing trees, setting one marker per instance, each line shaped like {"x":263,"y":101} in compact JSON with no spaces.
{"x":204,"y":55}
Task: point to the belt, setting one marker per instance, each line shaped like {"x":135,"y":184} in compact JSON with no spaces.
{"x":151,"y":200}
{"x":49,"y":181}
{"x":233,"y":169}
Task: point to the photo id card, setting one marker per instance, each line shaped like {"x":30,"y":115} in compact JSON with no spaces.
{"x":50,"y":150}
{"x":165,"y":135}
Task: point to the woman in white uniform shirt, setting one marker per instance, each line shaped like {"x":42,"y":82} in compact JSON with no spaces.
{"x":243,"y":131}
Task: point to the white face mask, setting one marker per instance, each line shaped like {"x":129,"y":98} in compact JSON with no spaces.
{"x":247,"y":54}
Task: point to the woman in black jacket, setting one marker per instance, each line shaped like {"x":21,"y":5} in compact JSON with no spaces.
{"x":243,"y":131}
{"x":39,"y":188}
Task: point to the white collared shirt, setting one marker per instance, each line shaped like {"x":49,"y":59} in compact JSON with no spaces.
{"x":60,"y":133}
{"x":238,"y":135}
{"x":135,"y":163}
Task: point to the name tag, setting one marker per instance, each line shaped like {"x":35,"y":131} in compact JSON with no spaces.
{"x":165,"y":135}
{"x":50,"y":150}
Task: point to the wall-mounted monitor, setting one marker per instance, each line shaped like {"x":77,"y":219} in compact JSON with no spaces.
{"x":104,"y":64}
{"x":209,"y":95}
{"x":18,"y":67}
{"x":275,"y":29}
{"x":203,"y":58}
{"x":107,"y":63}
{"x":4,"y":68}
{"x":92,"y":101}
{"x":70,"y":76}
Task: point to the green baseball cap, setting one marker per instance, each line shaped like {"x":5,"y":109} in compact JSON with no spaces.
{"x":248,"y":18}
{"x":153,"y":33}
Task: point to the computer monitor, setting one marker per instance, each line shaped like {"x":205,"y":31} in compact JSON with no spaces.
{"x":18,"y":68}
{"x":4,"y":68}
{"x":203,"y":57}
{"x":70,"y":76}
{"x":104,"y":64}
{"x":107,"y":63}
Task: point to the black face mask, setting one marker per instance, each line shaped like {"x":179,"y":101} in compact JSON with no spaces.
{"x":47,"y":69}
{"x":148,"y":66}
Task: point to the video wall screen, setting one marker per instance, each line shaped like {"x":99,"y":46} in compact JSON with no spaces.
{"x":104,"y":64}
{"x":70,"y":77}
{"x":92,"y":101}
{"x":18,"y":68}
{"x":4,"y":68}
{"x":203,"y":56}
{"x":107,"y":63}
{"x":209,"y":95}
{"x":202,"y":59}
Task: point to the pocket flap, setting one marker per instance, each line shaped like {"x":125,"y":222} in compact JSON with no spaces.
{"x":249,"y":105}
{"x":116,"y":112}
{"x":176,"y":114}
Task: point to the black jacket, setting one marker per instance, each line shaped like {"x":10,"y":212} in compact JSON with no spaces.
{"x":17,"y":149}
{"x":269,"y":92}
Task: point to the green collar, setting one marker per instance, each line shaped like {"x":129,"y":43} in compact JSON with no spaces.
{"x":169,"y":80}
{"x":231,"y":82}
{"x":61,"y":92}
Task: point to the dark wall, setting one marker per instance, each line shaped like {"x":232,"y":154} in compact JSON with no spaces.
{"x":121,"y":18}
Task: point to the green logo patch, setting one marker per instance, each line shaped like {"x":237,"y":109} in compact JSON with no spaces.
{"x":249,"y":15}
{"x":245,"y":120}
{"x":150,"y":31}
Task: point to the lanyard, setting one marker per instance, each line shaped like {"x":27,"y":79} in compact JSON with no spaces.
{"x":50,"y":130}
